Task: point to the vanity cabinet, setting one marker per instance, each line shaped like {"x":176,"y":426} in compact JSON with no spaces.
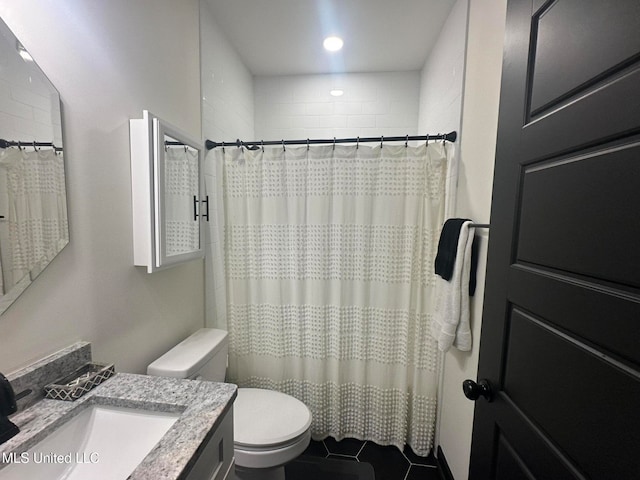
{"x":167,"y":193}
{"x":216,"y":460}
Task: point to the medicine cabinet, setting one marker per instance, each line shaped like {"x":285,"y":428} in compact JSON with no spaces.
{"x":167,"y":192}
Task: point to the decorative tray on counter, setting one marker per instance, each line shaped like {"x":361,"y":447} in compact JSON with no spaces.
{"x":78,"y":383}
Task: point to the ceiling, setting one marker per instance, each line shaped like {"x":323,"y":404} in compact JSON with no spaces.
{"x":284,"y":37}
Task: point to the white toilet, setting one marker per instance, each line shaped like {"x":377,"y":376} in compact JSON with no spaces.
{"x":270,"y":428}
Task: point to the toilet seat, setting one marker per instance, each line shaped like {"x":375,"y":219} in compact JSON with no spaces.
{"x":271,"y":457}
{"x":268,"y":448}
{"x":265,"y":419}
{"x":270,"y":428}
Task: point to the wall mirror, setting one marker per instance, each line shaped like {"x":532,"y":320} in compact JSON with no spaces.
{"x":33,"y":199}
{"x":167,"y":186}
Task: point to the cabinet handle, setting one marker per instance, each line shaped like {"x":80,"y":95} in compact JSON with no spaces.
{"x":195,"y":208}
{"x":206,"y":214}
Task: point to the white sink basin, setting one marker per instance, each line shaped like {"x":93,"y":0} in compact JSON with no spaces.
{"x":101,"y":442}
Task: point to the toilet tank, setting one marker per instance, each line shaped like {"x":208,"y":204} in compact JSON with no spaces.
{"x":202,"y":355}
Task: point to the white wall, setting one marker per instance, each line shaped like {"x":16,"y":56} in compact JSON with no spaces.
{"x":227,"y":114}
{"x":441,"y":86}
{"x":441,"y":90}
{"x":300,"y":106}
{"x":442,"y":78}
{"x":227,"y":84}
{"x":109,"y":60}
{"x":477,"y":153}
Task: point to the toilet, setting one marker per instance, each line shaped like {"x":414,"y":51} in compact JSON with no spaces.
{"x":270,"y":428}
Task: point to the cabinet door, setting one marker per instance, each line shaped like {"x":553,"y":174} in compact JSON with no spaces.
{"x":215,"y":460}
{"x":167,"y":191}
{"x":179,"y":203}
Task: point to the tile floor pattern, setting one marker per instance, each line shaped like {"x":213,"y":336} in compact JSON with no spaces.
{"x":389,"y":463}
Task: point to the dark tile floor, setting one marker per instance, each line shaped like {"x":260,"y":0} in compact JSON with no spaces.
{"x":389,"y":463}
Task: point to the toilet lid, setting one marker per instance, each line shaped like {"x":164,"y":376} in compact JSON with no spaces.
{"x":264,"y":418}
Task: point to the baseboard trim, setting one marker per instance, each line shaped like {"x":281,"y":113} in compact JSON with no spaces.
{"x":443,"y":466}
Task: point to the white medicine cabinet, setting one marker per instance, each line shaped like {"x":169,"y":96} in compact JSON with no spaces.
{"x":167,"y":193}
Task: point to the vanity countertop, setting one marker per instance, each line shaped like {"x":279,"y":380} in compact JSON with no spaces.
{"x":202,"y":405}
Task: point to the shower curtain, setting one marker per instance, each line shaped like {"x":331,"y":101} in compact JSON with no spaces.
{"x":180,"y":185}
{"x":37,"y":215}
{"x":329,"y":254}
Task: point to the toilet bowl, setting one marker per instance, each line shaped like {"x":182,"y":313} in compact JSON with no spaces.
{"x":270,"y":428}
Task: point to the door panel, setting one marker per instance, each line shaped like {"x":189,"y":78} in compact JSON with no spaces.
{"x":561,"y":320}
{"x":509,"y":465}
{"x":550,"y":376}
{"x":594,"y":111}
{"x":528,"y":446}
{"x":603,"y":316}
{"x":560,"y":226}
{"x":565,"y":32}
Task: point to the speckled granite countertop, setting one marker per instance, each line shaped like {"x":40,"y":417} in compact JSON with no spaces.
{"x":202,"y":406}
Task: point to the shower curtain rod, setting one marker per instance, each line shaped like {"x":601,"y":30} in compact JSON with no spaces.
{"x":449,"y":137}
{"x":12,"y":143}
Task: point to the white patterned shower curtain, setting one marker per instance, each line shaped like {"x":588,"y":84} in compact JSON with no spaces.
{"x":329,"y":255}
{"x":37,"y":209}
{"x":181,"y":176}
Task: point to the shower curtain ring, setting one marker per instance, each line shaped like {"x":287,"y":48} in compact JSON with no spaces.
{"x":284,"y":149}
{"x":406,"y":143}
{"x":381,"y":140}
{"x":223,"y":147}
{"x":35,"y":148}
{"x":357,"y":143}
{"x":262,"y":145}
{"x":334,"y":143}
{"x":307,"y":144}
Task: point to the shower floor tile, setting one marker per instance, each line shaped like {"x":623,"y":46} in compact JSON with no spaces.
{"x":388,"y":463}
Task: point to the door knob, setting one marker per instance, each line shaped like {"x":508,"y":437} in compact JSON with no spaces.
{"x":473,"y":390}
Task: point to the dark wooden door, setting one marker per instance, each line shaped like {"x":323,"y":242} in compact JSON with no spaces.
{"x":560,"y":339}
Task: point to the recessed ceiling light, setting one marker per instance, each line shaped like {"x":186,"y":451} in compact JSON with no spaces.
{"x":333,"y":44}
{"x":336,"y":92}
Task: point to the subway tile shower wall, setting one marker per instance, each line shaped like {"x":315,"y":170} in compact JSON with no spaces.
{"x":227,"y":114}
{"x":27,"y":108}
{"x":300,"y":106}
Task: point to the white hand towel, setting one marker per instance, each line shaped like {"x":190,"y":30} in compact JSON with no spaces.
{"x":450,"y":324}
